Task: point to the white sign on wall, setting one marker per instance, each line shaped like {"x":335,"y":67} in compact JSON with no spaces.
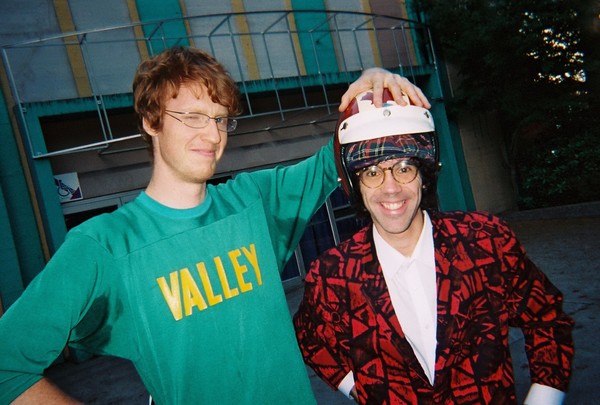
{"x":67,"y":187}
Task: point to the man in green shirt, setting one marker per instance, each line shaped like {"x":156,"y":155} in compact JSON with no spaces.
{"x":184,"y":280}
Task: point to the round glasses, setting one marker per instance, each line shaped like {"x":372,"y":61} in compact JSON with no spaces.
{"x":403,"y":172}
{"x":199,"y":120}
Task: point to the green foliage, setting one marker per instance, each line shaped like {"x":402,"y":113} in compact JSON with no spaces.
{"x":562,"y":170}
{"x":534,"y":62}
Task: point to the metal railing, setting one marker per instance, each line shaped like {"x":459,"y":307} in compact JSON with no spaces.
{"x":265,"y":52}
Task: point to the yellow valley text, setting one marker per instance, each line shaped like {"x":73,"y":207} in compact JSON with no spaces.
{"x":182,"y":293}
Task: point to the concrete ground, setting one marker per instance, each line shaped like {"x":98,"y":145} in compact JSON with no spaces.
{"x":563,"y":241}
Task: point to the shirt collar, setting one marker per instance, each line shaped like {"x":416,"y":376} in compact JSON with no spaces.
{"x":391,"y":260}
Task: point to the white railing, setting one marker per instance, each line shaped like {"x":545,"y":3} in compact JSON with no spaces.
{"x":269,"y":51}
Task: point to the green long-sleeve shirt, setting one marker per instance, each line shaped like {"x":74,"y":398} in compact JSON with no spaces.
{"x":192,"y":297}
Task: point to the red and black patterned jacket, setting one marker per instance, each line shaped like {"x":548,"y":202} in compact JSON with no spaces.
{"x":485,"y":284}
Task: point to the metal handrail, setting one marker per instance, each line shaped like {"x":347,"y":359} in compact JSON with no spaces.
{"x":330,"y":30}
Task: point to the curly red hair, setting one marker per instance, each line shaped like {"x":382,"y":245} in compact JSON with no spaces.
{"x":160,"y":78}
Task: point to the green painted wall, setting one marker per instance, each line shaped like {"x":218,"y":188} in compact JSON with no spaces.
{"x":453,"y":185}
{"x":317,"y":48}
{"x":21,"y":251}
{"x":151,"y":10}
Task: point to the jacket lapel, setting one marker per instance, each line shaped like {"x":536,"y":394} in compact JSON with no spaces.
{"x":375,"y":289}
{"x":448,"y":279}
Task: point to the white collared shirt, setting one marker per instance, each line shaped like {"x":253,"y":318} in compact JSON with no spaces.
{"x":412,"y":287}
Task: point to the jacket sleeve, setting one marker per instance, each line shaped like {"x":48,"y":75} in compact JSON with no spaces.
{"x":535,"y":306}
{"x":321,"y":324}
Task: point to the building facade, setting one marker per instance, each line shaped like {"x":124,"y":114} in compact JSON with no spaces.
{"x":70,"y":147}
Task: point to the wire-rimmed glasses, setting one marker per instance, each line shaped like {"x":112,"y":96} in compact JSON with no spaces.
{"x":200,"y":120}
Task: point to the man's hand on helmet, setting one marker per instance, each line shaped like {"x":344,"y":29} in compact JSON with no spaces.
{"x":378,"y":79}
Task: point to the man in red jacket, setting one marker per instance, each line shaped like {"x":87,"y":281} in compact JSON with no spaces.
{"x":416,"y":307}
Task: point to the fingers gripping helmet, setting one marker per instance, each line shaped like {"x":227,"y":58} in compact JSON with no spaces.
{"x":366,"y":135}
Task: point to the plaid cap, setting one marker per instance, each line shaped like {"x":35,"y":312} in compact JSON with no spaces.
{"x":370,"y":152}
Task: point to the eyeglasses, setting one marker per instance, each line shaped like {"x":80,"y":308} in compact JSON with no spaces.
{"x":199,"y":120}
{"x":403,"y":171}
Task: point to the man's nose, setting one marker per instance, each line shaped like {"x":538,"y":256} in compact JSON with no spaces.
{"x":212,"y":132}
{"x":389,"y":182}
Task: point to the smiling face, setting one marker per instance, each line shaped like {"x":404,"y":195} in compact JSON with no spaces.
{"x":183,"y":155}
{"x":394,"y":209}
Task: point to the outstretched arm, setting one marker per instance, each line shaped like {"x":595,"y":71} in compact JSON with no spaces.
{"x":378,"y":79}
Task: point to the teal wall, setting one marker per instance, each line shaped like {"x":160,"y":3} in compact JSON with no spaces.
{"x":11,"y":282}
{"x":454,"y":188}
{"x":326,"y":61}
{"x":151,"y":10}
{"x":21,"y":251}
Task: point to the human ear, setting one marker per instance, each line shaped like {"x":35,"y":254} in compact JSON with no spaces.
{"x":148,"y":128}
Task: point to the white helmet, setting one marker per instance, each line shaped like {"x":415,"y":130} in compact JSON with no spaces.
{"x":366,"y":134}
